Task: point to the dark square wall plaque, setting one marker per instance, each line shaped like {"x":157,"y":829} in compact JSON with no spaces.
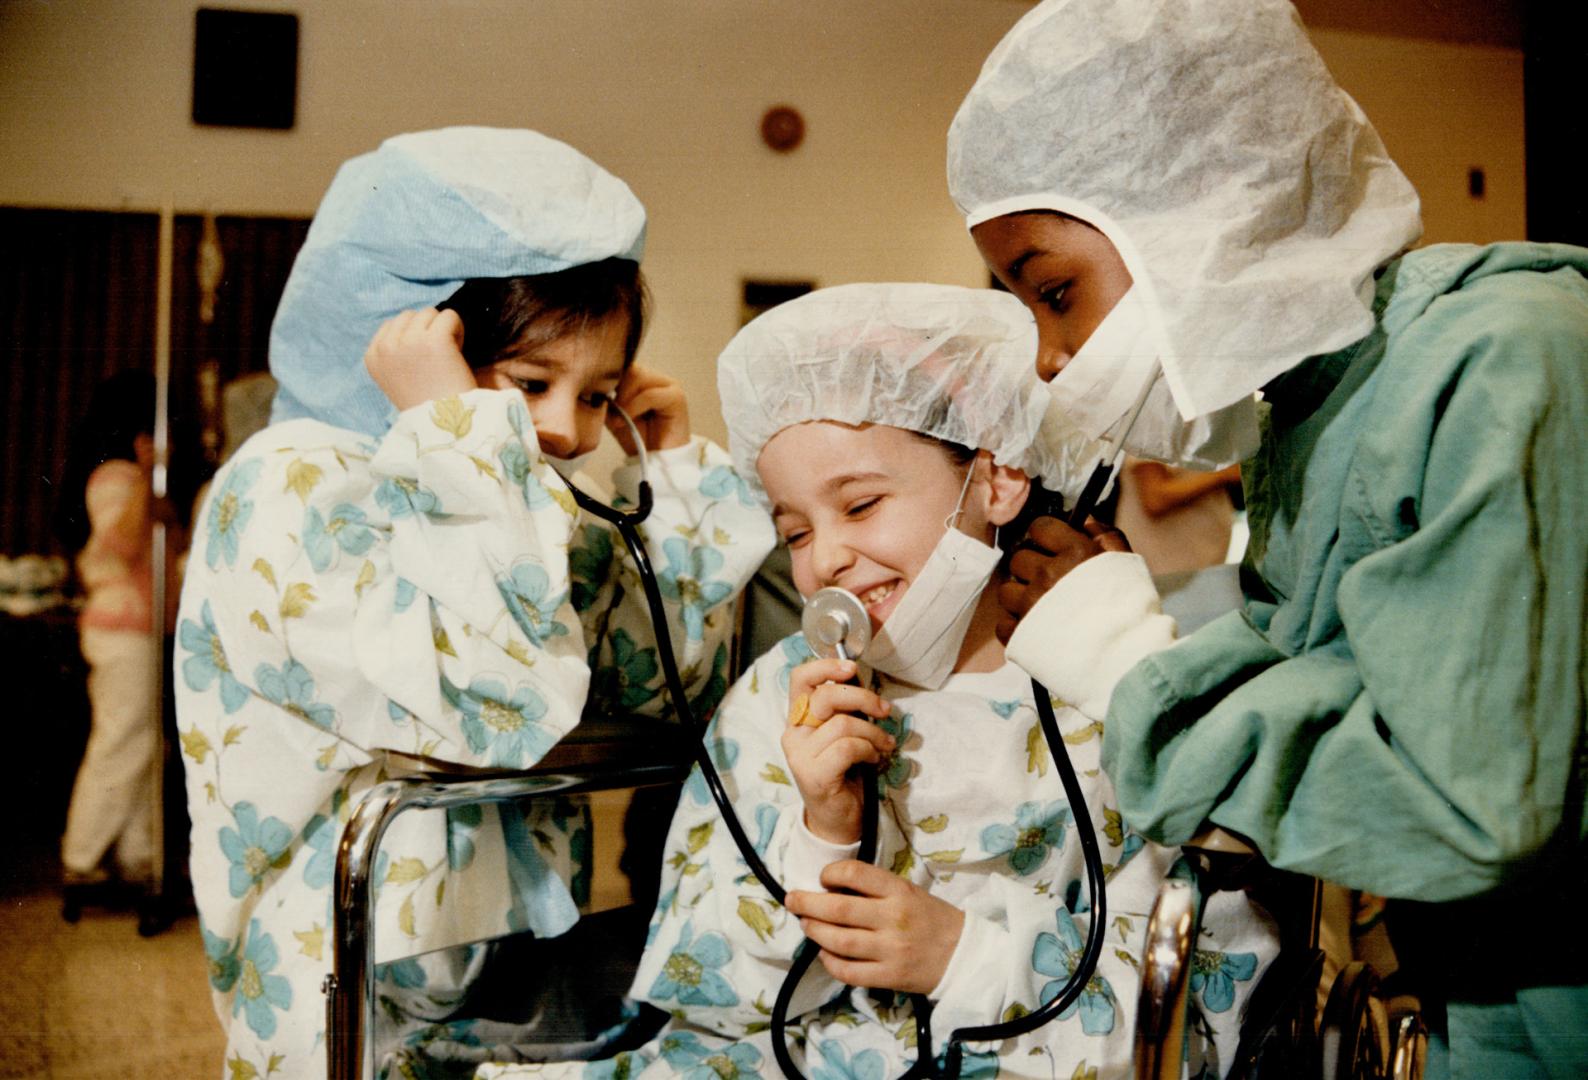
{"x":245,"y":68}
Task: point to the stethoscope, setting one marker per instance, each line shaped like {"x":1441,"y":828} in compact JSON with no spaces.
{"x":627,"y":523}
{"x":835,"y":623}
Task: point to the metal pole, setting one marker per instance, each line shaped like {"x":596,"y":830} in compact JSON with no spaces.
{"x":157,"y":547}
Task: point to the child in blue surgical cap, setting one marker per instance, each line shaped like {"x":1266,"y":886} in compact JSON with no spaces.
{"x":394,"y":574}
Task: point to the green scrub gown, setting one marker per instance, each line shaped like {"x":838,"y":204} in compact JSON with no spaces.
{"x":1399,"y":707}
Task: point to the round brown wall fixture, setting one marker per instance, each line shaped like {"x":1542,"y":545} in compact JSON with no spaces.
{"x":783,"y":128}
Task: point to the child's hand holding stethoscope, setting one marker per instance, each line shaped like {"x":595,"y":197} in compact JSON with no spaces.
{"x":657,"y":405}
{"x":873,"y":928}
{"x":827,"y":734}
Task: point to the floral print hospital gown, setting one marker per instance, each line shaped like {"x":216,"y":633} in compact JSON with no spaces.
{"x":435,"y":594}
{"x":973,"y":811}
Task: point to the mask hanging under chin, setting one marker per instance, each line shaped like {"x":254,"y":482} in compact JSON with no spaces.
{"x":921,"y":640}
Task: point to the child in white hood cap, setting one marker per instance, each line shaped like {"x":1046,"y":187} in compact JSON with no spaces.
{"x":395,"y":572}
{"x":1178,"y":190}
{"x":896,"y":431}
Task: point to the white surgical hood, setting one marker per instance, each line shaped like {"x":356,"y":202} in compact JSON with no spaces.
{"x":1249,"y":197}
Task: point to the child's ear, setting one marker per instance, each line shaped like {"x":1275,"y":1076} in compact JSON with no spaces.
{"x":1008,"y":489}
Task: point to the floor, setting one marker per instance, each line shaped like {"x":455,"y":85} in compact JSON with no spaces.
{"x":95,"y":1000}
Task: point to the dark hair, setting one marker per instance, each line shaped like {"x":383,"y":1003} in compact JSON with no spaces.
{"x":958,"y":453}
{"x":500,"y":314}
{"x":121,"y":409}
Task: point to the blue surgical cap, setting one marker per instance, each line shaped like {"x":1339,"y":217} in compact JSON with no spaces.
{"x":404,"y":226}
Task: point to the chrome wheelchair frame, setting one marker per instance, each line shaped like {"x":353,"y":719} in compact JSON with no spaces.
{"x":601,"y":754}
{"x":1351,"y":1039}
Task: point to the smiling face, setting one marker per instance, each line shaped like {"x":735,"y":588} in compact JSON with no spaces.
{"x":1065,"y":271}
{"x":863,"y":507}
{"x":567,"y":382}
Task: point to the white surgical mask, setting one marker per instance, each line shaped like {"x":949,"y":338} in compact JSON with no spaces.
{"x":1104,"y":377}
{"x":920,"y":641}
{"x":571,"y":467}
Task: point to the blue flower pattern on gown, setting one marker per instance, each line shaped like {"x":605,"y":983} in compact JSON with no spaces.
{"x":630,"y":677}
{"x":1214,"y":975}
{"x":527,"y":593}
{"x":694,"y":1060}
{"x":400,"y":497}
{"x":292,"y":687}
{"x":690,"y":973}
{"x":515,"y":461}
{"x":229,"y":513}
{"x":500,"y":725}
{"x":319,"y":836}
{"x":345,"y":529}
{"x":795,"y":650}
{"x":1036,"y":829}
{"x":260,"y":993}
{"x":208,"y":661}
{"x":687,"y":581}
{"x":589,"y":564}
{"x":1056,"y":955}
{"x":723,"y":752}
{"x":328,"y":619}
{"x":895,"y":771}
{"x":724,"y":481}
{"x":976,"y":1065}
{"x":253,"y":847}
{"x":224,"y":963}
{"x":838,"y":1065}
{"x":463,"y":822}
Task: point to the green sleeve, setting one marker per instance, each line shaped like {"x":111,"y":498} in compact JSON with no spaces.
{"x":1433,"y":748}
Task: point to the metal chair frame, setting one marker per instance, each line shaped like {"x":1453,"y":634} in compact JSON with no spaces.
{"x":602,"y":754}
{"x":1350,"y":1040}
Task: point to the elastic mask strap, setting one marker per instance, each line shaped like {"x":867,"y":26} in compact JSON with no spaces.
{"x":952,"y":520}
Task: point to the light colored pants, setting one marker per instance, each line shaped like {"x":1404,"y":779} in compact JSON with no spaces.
{"x":113,"y":798}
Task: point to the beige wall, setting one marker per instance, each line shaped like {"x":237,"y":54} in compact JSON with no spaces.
{"x":94,"y":105}
{"x":1443,"y":109}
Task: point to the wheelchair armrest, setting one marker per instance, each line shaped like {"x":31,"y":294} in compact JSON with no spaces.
{"x":601,"y":754}
{"x":1166,"y":975}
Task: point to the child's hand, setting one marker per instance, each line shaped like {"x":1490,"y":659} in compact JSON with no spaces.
{"x":824,"y":739}
{"x":1050,"y":550}
{"x":416,"y":356}
{"x":656,"y":402}
{"x":889,"y":934}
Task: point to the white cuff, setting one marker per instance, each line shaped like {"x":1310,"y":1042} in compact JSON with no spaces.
{"x":1091,"y":628}
{"x":970,"y":993}
{"x":807,"y":855}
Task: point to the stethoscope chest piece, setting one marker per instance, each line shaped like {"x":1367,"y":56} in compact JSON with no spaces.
{"x":835,"y":623}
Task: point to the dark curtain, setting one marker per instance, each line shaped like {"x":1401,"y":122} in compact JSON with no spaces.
{"x":77,"y":304}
